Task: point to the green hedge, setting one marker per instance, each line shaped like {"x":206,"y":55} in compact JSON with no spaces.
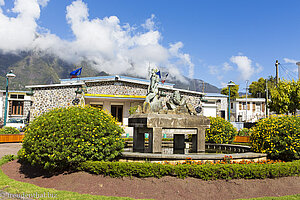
{"x":9,"y":130}
{"x":205,"y":171}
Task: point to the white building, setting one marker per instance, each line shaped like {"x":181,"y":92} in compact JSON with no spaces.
{"x":214,"y":105}
{"x":18,"y":104}
{"x":247,"y":110}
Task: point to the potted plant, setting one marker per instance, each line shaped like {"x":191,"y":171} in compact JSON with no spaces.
{"x":10,"y":134}
{"x":243,"y":136}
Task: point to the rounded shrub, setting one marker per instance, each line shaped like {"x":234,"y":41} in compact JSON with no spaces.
{"x":9,"y":130}
{"x":64,"y":137}
{"x":220,"y":131}
{"x":278,"y":136}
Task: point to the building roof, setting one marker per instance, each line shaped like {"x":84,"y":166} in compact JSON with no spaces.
{"x":216,"y":95}
{"x":55,"y":85}
{"x":250,"y":100}
{"x":13,"y":91}
{"x":82,"y":81}
{"x":109,"y":78}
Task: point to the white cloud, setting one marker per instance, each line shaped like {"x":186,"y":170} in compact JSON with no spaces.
{"x":287,"y":60}
{"x":149,"y":24}
{"x":106,"y":43}
{"x":17,"y":33}
{"x":213,"y":70}
{"x":43,"y":3}
{"x":259,"y":68}
{"x":227,"y":67}
{"x":184,"y":59}
{"x":244,"y":65}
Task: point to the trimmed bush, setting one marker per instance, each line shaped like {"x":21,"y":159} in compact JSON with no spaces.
{"x":204,"y":171}
{"x":278,"y":136}
{"x":9,"y":130}
{"x":220,"y":131}
{"x":65,"y":137}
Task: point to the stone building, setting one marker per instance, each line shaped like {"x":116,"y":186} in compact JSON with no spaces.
{"x":116,"y":94}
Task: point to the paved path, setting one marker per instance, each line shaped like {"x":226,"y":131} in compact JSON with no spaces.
{"x":9,"y":148}
{"x":5,"y":149}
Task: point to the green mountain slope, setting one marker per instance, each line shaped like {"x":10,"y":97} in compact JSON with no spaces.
{"x":33,"y":68}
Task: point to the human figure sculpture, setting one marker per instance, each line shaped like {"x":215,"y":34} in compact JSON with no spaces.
{"x":152,"y":91}
{"x":152,"y":102}
{"x":178,"y":104}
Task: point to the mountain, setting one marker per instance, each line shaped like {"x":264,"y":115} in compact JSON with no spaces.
{"x":32,"y":68}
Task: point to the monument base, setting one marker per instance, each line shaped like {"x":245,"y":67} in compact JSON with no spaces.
{"x":177,"y":125}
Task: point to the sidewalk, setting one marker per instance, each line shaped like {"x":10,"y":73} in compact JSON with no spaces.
{"x":9,"y":148}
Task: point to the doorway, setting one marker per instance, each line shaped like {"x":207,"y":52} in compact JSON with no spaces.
{"x":117,"y":112}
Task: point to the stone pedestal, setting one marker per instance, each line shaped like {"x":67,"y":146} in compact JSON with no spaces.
{"x":178,"y":125}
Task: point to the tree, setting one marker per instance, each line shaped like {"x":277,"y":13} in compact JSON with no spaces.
{"x":285,"y":97}
{"x":258,"y":88}
{"x":234,"y":91}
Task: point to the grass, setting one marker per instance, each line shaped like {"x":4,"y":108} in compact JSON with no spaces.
{"x":16,"y":187}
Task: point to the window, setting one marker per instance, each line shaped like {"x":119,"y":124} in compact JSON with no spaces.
{"x":244,"y":105}
{"x":231,"y":106}
{"x":117,"y":112}
{"x":16,"y":107}
{"x":253,"y":106}
{"x":17,"y":96}
{"x":97,"y":106}
{"x":248,"y":105}
{"x":240,"y":105}
{"x":13,"y":96}
{"x":223,"y":114}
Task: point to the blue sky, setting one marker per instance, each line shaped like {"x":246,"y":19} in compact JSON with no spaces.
{"x":215,"y":41}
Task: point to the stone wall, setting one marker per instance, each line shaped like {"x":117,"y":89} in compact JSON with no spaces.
{"x":48,"y":98}
{"x":116,"y":88}
{"x":26,"y":108}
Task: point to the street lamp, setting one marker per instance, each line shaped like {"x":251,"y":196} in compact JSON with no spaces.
{"x":230,"y":83}
{"x":8,"y":76}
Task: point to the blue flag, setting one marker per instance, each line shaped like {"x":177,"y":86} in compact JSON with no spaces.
{"x":158,"y":73}
{"x":76,"y":72}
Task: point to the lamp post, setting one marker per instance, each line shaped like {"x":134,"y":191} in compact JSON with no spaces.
{"x":8,"y":76}
{"x":247,"y":81}
{"x":230,"y":83}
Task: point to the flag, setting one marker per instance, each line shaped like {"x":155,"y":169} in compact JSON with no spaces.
{"x":76,"y":73}
{"x":158,"y":73}
{"x":163,"y":81}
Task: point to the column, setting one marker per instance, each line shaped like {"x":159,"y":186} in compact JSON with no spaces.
{"x":199,"y":139}
{"x":155,"y":140}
